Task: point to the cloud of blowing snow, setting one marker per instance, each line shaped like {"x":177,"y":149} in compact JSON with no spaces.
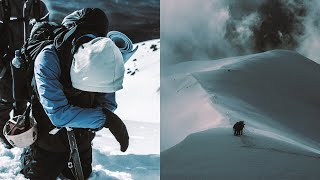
{"x":213,"y":29}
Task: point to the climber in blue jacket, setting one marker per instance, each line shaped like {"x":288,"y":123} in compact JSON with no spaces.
{"x":96,"y":73}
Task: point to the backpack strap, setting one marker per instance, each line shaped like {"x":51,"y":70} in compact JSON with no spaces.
{"x":76,"y":43}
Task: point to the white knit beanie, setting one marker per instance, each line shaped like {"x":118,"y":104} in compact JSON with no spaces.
{"x":98,"y":67}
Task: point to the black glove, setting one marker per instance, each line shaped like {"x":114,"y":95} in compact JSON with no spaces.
{"x":117,"y":128}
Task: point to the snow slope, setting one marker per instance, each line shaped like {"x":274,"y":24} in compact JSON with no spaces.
{"x":217,"y":154}
{"x":185,"y":108}
{"x":275,"y":93}
{"x":138,"y":106}
{"x":141,"y":87}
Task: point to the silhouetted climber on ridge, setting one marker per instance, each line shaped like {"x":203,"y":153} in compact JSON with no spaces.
{"x":238,"y":128}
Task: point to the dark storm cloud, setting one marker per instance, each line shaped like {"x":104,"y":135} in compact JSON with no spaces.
{"x":279,"y":25}
{"x":222,"y":28}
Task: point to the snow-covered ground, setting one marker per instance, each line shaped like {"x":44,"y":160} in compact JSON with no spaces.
{"x":139,"y":100}
{"x":217,"y":154}
{"x":276,"y":93}
{"x":139,"y":107}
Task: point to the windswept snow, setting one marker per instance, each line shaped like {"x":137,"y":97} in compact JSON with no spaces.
{"x":185,"y":108}
{"x":279,"y":86}
{"x":276,"y":93}
{"x":217,"y":154}
{"x":138,"y":106}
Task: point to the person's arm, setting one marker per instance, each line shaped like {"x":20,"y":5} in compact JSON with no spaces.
{"x":53,"y":99}
{"x":106,"y":100}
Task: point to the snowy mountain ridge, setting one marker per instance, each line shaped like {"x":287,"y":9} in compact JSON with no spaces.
{"x":275,"y":93}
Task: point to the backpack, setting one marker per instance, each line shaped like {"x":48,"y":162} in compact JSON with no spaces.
{"x":41,"y":35}
{"x":66,"y":41}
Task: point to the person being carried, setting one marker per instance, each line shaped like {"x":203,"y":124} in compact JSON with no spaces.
{"x":76,"y":79}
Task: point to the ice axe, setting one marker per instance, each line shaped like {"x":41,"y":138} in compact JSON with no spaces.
{"x":74,"y":161}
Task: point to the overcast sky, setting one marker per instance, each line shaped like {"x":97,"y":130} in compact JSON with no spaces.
{"x":213,"y":29}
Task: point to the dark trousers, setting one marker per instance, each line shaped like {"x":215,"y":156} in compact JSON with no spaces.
{"x":6,"y":102}
{"x":39,"y":164}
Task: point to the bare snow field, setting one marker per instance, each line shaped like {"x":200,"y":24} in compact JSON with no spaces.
{"x":217,"y":154}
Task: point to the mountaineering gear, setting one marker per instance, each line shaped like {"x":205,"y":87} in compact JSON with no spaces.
{"x":18,"y":73}
{"x":124,"y":44}
{"x":21,"y":131}
{"x":117,"y":128}
{"x":20,"y":136}
{"x":17,"y":61}
{"x":39,"y":164}
{"x":92,"y":20}
{"x":81,"y":22}
{"x":41,"y":35}
{"x":75,"y":167}
{"x":22,"y":73}
{"x":12,"y":38}
{"x":98,"y":67}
